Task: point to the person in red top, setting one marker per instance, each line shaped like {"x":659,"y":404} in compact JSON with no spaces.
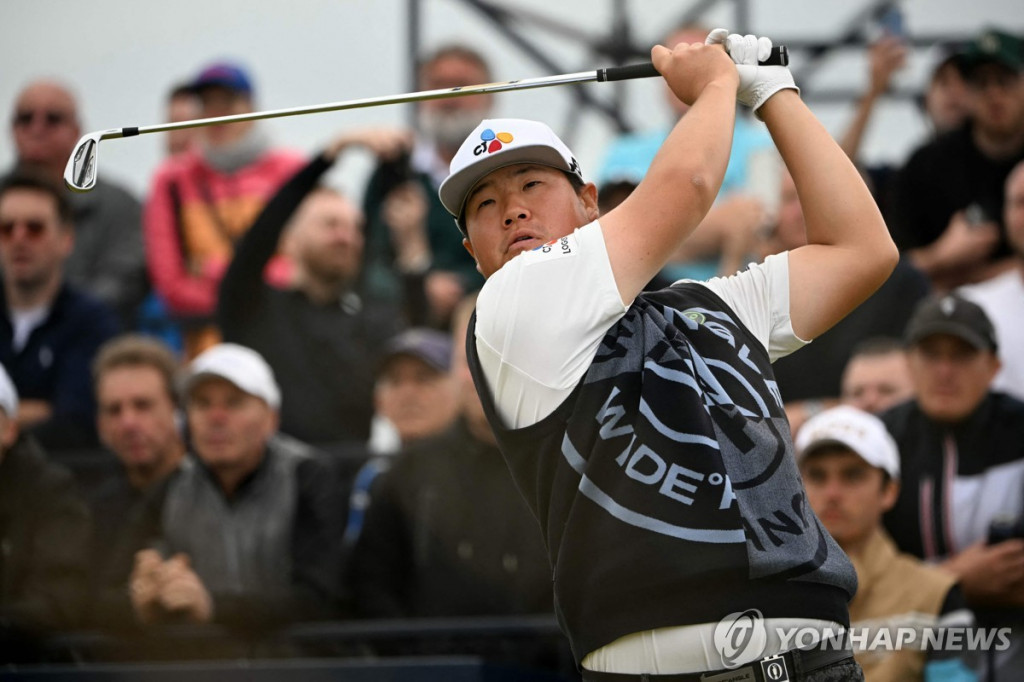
{"x":201,"y":202}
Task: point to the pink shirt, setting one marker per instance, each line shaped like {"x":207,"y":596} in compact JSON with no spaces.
{"x":194,"y":216}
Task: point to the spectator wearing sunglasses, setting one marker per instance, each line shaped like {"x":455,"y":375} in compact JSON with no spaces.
{"x":49,"y":330}
{"x":108,"y":260}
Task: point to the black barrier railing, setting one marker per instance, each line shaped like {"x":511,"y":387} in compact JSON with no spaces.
{"x":327,"y":631}
{"x":533,"y":646}
{"x":419,"y":669}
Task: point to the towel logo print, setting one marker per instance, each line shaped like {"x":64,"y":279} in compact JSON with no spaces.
{"x":491,"y":142}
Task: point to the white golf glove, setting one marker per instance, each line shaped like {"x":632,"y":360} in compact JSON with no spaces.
{"x":757,"y":83}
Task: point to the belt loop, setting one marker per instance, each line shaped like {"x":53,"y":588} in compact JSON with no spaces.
{"x":798,"y":662}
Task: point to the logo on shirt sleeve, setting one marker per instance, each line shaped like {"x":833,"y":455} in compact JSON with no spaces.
{"x":562,"y":246}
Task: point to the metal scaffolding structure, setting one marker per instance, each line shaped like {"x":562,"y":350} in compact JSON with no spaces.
{"x":619,"y":45}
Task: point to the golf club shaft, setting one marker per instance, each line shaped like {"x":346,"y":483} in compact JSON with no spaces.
{"x":614,"y":73}
{"x":82,"y":168}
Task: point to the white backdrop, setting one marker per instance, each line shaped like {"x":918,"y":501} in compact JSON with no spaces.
{"x":122,"y":55}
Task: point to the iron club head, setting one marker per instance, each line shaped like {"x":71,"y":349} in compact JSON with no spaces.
{"x":81,"y":172}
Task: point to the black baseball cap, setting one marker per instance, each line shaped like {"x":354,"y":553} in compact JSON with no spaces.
{"x":947,"y":54}
{"x":953,"y":315}
{"x":993,"y":47}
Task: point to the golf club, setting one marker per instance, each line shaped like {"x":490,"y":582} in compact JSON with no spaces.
{"x":83,"y":165}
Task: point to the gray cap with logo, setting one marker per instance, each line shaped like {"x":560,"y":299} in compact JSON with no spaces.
{"x":955,"y":316}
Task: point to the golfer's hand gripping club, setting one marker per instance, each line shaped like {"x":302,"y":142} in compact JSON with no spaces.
{"x":759,"y":77}
{"x":776,"y":56}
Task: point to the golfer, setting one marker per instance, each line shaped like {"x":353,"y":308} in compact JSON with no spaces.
{"x":645,"y":429}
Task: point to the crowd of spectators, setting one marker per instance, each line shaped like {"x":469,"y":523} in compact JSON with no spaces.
{"x":277,"y":374}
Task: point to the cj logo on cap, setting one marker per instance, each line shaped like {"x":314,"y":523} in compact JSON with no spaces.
{"x":491,"y":142}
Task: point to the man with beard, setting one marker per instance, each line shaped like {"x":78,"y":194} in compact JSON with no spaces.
{"x":320,"y":336}
{"x":401,"y":201}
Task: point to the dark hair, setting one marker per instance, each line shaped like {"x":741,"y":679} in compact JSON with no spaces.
{"x":613,"y":193}
{"x":180,"y":90}
{"x":136,"y":350}
{"x":574,"y":180}
{"x":24,"y":178}
{"x":841,"y":449}
{"x":455,"y":51}
{"x":877,"y":345}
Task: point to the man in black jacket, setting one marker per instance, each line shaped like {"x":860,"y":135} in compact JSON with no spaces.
{"x":321,"y":337}
{"x":44,"y":531}
{"x":136,"y":388}
{"x":947,"y":214}
{"x":962,"y":456}
{"x":49,"y":329}
{"x":446,"y":532}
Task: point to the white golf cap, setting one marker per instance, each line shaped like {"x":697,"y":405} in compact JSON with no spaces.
{"x":861,"y":432}
{"x":8,"y":394}
{"x":500,"y":142}
{"x":243,"y":367}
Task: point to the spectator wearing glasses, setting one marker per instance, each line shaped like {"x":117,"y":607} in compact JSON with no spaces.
{"x":49,"y":330}
{"x":108,"y":259}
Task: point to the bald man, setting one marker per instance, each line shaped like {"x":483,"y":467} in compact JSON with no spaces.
{"x":108,"y":260}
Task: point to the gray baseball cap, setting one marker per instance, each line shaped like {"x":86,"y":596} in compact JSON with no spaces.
{"x":430,"y":346}
{"x":953,"y":315}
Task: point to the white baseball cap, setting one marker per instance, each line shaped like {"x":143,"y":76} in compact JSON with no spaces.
{"x":8,"y":394}
{"x":243,"y":367}
{"x":500,"y":142}
{"x":861,"y":432}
